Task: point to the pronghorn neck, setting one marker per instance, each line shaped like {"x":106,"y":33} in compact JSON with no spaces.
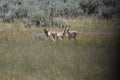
{"x":64,"y":31}
{"x":68,"y":30}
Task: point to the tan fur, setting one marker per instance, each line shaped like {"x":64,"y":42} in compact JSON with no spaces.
{"x":71,"y":34}
{"x":61,"y":35}
{"x":50,"y":34}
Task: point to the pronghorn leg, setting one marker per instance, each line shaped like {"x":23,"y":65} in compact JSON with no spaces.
{"x":48,"y":37}
{"x":53,"y":37}
{"x":60,"y":38}
{"x":75,"y":39}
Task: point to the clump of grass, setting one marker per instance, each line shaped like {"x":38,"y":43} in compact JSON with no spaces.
{"x":21,"y":59}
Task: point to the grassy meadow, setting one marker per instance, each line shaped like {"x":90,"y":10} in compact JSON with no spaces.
{"x":91,"y":57}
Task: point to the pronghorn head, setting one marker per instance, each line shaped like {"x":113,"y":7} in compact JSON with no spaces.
{"x":65,"y":28}
{"x":68,"y":27}
{"x":46,"y":31}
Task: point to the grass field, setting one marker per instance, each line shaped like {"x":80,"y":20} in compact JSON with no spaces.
{"x":92,"y":57}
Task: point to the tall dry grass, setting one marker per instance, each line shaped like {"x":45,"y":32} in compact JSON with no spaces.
{"x":92,"y":57}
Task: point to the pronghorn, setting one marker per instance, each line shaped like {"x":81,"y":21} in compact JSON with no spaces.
{"x":61,"y":35}
{"x":71,"y":34}
{"x":49,"y":34}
